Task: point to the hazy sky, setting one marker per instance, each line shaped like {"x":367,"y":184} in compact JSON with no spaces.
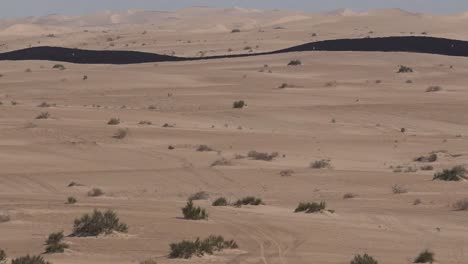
{"x":21,"y":8}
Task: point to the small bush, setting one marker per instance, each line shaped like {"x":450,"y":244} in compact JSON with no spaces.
{"x":398,"y":189}
{"x":457,"y":173}
{"x":121,"y":134}
{"x":311,"y":207}
{"x":461,"y":205}
{"x":71,"y":200}
{"x":221,"y":201}
{"x":113,"y":121}
{"x":95,"y":192}
{"x":29,"y":260}
{"x":295,"y":63}
{"x":262,"y":155}
{"x":430,"y":158}
{"x":59,"y":66}
{"x":404,"y":69}
{"x":249,"y":200}
{"x":363,"y":259}
{"x":321,"y":164}
{"x":425,"y":257}
{"x":43,"y":115}
{"x":54,"y":243}
{"x":199,"y":196}
{"x":349,"y":196}
{"x":238,"y":104}
{"x":204,"y":148}
{"x":98,"y":223}
{"x":432,"y":89}
{"x":192,"y":212}
{"x":187,"y":249}
{"x":3,"y":256}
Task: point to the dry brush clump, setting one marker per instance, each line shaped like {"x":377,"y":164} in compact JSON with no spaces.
{"x":404,"y":69}
{"x":239,"y":104}
{"x":432,"y":157}
{"x":398,"y":189}
{"x":249,"y":200}
{"x":95,"y":192}
{"x":71,"y":200}
{"x":113,"y":121}
{"x":426,"y":256}
{"x":55,"y":244}
{"x":349,"y":196}
{"x":461,"y":205}
{"x":202,"y":195}
{"x":363,"y":259}
{"x":204,"y":148}
{"x":434,"y":88}
{"x":295,"y":62}
{"x":265,"y":156}
{"x":310,"y":208}
{"x":221,"y":201}
{"x":43,"y":115}
{"x":30,"y":260}
{"x":457,"y":173}
{"x":121,"y":133}
{"x":321,"y":164}
{"x":221,"y":162}
{"x":187,"y":249}
{"x":192,"y":212}
{"x":98,"y":223}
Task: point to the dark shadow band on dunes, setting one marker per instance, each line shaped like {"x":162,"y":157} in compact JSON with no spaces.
{"x":428,"y":45}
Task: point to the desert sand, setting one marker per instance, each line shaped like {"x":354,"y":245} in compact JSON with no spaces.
{"x":346,"y":107}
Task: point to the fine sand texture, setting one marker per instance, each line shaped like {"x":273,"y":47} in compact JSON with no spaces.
{"x":350,"y":108}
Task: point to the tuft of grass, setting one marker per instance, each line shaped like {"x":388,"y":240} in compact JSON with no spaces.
{"x":432,"y":89}
{"x":95,"y":192}
{"x":71,"y":200}
{"x":363,"y":259}
{"x":30,"y":260}
{"x":98,"y":223}
{"x":221,"y":201}
{"x":192,"y":212}
{"x":199,"y":196}
{"x":295,"y":63}
{"x":321,"y":164}
{"x":187,"y":249}
{"x":262,"y":155}
{"x":43,"y":115}
{"x":404,"y":69}
{"x":310,"y":208}
{"x":461,"y":205}
{"x":398,"y":189}
{"x":113,"y":121}
{"x":121,"y":133}
{"x":249,"y":200}
{"x":55,"y":243}
{"x":425,"y":257}
{"x":238,"y":104}
{"x":456,"y":173}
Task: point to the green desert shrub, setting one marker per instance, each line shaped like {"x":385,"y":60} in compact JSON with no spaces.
{"x":30,"y":260}
{"x":456,"y":173}
{"x":192,"y":212}
{"x":425,"y":257}
{"x":221,"y":201}
{"x":311,"y":207}
{"x":262,"y":155}
{"x":363,"y":259}
{"x":249,"y":200}
{"x":187,"y":249}
{"x":238,"y":104}
{"x":98,"y":223}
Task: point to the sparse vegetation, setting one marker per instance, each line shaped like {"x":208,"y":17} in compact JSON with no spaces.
{"x":98,"y":223}
{"x":425,"y":257}
{"x":221,"y":201}
{"x":238,"y":104}
{"x":221,"y":162}
{"x":113,"y":121}
{"x":30,"y":260}
{"x":430,"y":158}
{"x":432,"y":89}
{"x":321,"y":164}
{"x":286,"y":173}
{"x":398,"y":189}
{"x":404,"y":69}
{"x":249,"y":200}
{"x":427,"y":168}
{"x":59,"y":66}
{"x":71,"y":200}
{"x":363,"y":259}
{"x":349,"y":196}
{"x":456,"y":173}
{"x":145,"y":123}
{"x":192,"y":212}
{"x":43,"y":115}
{"x":311,"y":207}
{"x":121,"y":133}
{"x":461,"y":205}
{"x":187,"y":249}
{"x":54,"y":243}
{"x":199,"y":196}
{"x":45,"y":104}
{"x":262,"y":155}
{"x":295,"y":63}
{"x":95,"y":192}
{"x":204,"y":148}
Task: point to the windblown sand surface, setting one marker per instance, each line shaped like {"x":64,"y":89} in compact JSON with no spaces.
{"x":347,"y":107}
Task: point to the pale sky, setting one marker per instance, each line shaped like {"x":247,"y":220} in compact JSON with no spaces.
{"x":22,"y":8}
